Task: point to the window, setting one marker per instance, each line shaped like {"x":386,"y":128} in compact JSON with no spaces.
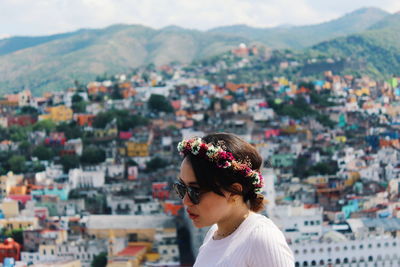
{"x":305,"y":223}
{"x":361,"y":247}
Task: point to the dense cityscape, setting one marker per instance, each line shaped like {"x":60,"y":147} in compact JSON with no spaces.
{"x":86,"y":173}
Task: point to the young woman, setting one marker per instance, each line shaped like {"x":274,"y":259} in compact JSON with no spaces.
{"x":220,"y":184}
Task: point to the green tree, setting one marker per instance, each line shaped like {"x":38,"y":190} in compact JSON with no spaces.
{"x":28,"y":110}
{"x":79,"y":107}
{"x":44,"y":125}
{"x":155,"y":164}
{"x":69,"y":162}
{"x":102,"y":119}
{"x":71,"y":130}
{"x":42,"y":153}
{"x":159,"y":103}
{"x":37,"y":167}
{"x":16,"y":234}
{"x":25,"y":147}
{"x":17,"y":163}
{"x":76,"y":98}
{"x":18,"y":133}
{"x":93,"y":155}
{"x":100,"y":260}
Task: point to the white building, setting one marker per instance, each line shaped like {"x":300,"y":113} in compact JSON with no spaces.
{"x":78,"y":178}
{"x":299,"y":222}
{"x":166,"y":244}
{"x":368,"y":252}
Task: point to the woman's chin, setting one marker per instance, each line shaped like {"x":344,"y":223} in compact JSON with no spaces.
{"x":199,"y":224}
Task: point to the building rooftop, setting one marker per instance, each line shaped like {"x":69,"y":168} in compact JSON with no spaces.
{"x":130,"y":221}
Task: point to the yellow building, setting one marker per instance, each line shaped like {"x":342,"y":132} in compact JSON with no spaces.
{"x":9,"y":208}
{"x":135,"y":227}
{"x":19,"y":222}
{"x":137,"y":149}
{"x":8,"y":181}
{"x":60,"y":263}
{"x":58,"y":113}
{"x":314,"y":180}
{"x":362,"y":91}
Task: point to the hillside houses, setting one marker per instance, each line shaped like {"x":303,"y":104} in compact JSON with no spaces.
{"x":88,"y":171}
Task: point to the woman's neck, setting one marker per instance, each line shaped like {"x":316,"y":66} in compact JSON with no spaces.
{"x":232,"y":222}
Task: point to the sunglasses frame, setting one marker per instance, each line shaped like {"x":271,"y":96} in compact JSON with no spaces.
{"x":193,"y":192}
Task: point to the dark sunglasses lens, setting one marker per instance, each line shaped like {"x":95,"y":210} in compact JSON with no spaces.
{"x":180,"y":189}
{"x":194,"y":195}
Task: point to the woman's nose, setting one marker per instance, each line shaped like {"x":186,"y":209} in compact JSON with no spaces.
{"x":186,"y":200}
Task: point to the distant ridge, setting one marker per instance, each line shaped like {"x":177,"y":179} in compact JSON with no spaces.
{"x":54,"y":62}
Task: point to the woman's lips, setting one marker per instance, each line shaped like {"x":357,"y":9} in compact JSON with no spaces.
{"x":192,"y":215}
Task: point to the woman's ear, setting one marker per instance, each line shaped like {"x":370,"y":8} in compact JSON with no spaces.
{"x":237,"y":188}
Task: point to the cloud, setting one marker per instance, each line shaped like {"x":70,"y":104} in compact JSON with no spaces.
{"x":39,"y":17}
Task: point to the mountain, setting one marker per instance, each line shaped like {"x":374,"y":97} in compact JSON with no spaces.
{"x":13,"y":44}
{"x":55,"y":64}
{"x":378,"y":47}
{"x":297,"y":37}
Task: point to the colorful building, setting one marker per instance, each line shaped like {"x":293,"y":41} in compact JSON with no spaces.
{"x":10,"y":249}
{"x":58,"y":114}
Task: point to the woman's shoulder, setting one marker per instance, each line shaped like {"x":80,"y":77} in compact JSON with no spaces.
{"x":268,"y":244}
{"x":261,"y":221}
{"x":264,"y":230}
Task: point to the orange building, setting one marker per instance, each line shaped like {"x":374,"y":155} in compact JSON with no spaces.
{"x":10,"y":249}
{"x":84,"y":119}
{"x":172,"y":208}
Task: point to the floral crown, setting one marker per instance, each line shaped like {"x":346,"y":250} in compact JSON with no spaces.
{"x":221,"y":158}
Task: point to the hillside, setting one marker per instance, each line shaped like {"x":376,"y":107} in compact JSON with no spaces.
{"x":304,"y":36}
{"x":379,"y":47}
{"x":55,"y":64}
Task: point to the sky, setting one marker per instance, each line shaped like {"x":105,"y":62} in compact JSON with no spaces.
{"x":45,"y":17}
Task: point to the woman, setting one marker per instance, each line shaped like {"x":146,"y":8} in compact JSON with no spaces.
{"x":220,"y":185}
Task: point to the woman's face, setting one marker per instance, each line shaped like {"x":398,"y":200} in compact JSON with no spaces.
{"x":212,"y":207}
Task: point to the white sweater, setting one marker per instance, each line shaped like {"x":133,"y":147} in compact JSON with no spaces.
{"x":256,"y":243}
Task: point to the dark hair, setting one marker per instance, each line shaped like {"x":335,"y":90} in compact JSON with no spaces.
{"x":210,"y":177}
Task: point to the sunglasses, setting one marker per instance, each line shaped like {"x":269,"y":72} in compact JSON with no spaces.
{"x":194,"y":193}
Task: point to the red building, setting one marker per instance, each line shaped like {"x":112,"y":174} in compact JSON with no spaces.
{"x":160,"y":190}
{"x":10,"y":249}
{"x":56,"y":139}
{"x":21,"y":120}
